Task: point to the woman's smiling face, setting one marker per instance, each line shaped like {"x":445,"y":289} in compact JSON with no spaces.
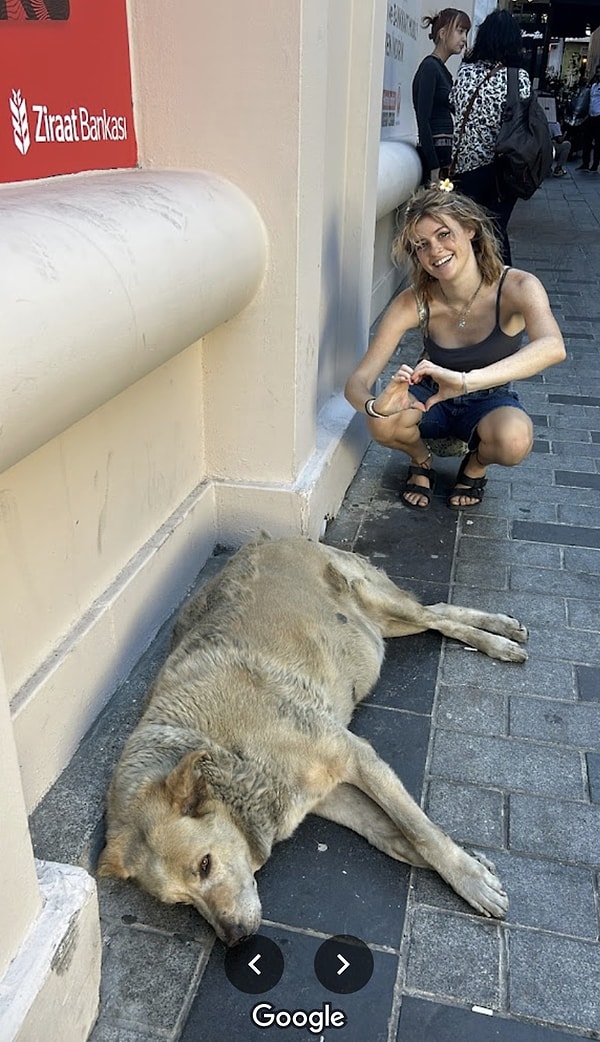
{"x":442,"y":246}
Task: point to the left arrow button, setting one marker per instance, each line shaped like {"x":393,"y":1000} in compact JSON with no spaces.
{"x":255,"y":966}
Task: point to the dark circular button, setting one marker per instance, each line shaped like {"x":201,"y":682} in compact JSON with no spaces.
{"x":254,"y":966}
{"x":343,"y":964}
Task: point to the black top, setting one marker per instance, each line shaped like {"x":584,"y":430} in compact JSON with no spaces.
{"x":496,"y":346}
{"x":430,"y":89}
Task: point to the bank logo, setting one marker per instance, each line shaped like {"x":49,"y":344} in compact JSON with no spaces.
{"x":47,"y":127}
{"x":20,"y":122}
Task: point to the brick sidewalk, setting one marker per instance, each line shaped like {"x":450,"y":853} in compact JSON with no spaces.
{"x":505,"y":757}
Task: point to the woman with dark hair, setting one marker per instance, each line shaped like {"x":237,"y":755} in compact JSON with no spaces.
{"x":478,"y":96}
{"x":431,"y":87}
{"x":472,"y":312}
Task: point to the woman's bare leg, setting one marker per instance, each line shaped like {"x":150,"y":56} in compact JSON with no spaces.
{"x":401,"y":431}
{"x":505,"y":437}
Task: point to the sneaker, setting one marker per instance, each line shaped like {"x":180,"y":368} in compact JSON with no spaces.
{"x":582,"y":167}
{"x":559,"y":172}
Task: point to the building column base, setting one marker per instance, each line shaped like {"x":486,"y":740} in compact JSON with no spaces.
{"x":51,"y":988}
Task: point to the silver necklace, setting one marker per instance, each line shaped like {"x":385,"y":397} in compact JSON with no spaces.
{"x":465,"y":311}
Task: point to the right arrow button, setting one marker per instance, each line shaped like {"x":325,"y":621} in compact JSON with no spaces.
{"x":343,"y":964}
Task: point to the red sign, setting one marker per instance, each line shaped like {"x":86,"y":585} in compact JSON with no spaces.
{"x":65,"y":88}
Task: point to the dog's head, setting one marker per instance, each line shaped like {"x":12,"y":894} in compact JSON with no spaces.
{"x":179,"y":841}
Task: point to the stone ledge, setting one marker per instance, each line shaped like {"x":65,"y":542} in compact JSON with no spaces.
{"x":51,"y":988}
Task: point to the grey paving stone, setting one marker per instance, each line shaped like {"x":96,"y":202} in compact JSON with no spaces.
{"x":593,"y":766}
{"x":426,"y":1021}
{"x":509,"y":763}
{"x":470,"y":814}
{"x":565,"y":723}
{"x":536,"y":676}
{"x":114,"y":1032}
{"x":129,"y":991}
{"x":544,"y":580}
{"x":533,"y":611}
{"x":584,"y":615}
{"x":565,"y":644}
{"x":562,"y":535}
{"x":555,"y":979}
{"x":482,"y":573}
{"x":548,"y":895}
{"x":481,"y":527}
{"x":557,"y":494}
{"x":471,"y":708}
{"x":123,"y":902}
{"x":454,"y":956}
{"x":575,"y":480}
{"x":588,"y":683}
{"x":560,"y":829}
{"x":582,"y":560}
{"x":484,"y":550}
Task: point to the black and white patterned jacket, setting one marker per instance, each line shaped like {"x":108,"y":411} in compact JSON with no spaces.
{"x":476,"y":147}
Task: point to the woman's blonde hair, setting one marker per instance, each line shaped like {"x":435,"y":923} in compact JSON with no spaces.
{"x":435,"y":203}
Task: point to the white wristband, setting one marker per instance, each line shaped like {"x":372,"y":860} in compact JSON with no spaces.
{"x":370,"y":411}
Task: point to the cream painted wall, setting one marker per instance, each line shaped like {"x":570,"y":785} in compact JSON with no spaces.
{"x":75,"y":512}
{"x":239,"y":89}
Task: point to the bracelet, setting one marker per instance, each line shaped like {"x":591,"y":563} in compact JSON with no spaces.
{"x":370,"y":411}
{"x":465,"y":389}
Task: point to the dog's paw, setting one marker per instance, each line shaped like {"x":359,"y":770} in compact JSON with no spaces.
{"x":479,"y":885}
{"x":504,"y":649}
{"x":511,"y":628}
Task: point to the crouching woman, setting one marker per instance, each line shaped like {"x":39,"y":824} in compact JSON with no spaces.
{"x":473,"y":313}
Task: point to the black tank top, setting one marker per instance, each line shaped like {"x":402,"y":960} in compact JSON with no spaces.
{"x":494,"y":348}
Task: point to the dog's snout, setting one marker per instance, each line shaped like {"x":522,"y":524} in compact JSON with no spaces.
{"x":237,"y":935}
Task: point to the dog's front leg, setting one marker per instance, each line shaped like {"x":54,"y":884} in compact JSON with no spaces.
{"x":348,"y":806}
{"x":473,"y":879}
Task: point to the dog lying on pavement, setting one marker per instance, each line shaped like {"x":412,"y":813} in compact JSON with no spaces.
{"x":245,"y":733}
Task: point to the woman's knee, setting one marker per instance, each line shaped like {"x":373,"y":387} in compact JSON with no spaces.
{"x":509,"y":441}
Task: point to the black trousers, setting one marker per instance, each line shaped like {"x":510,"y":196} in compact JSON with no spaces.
{"x":480,"y":185}
{"x":591,"y":139}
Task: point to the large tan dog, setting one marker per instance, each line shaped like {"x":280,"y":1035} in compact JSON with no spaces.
{"x":245,"y":733}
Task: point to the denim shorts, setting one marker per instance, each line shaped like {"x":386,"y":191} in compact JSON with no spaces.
{"x":458,"y":417}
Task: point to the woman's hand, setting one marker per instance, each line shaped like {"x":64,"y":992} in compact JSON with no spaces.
{"x":396,"y":396}
{"x":450,"y":383}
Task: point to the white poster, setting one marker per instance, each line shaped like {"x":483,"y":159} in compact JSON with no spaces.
{"x":401,"y":60}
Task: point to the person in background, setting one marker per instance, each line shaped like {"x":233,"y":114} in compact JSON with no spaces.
{"x":482,"y":77}
{"x":591,"y":127}
{"x":431,"y":87}
{"x":472,"y":313}
{"x":562,"y":149}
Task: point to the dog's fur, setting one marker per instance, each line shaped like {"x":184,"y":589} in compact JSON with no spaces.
{"x":245,"y":732}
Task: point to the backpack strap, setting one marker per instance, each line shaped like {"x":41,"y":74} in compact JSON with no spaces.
{"x":512,"y":93}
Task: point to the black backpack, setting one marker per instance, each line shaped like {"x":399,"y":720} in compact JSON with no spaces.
{"x":524,"y":145}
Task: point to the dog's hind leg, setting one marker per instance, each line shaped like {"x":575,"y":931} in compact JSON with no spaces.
{"x":398,"y":614}
{"x":475,"y":881}
{"x":348,"y":806}
{"x":504,"y":625}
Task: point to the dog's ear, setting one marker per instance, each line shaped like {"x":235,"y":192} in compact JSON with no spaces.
{"x":186,"y":787}
{"x":111,"y":862}
{"x":336,"y":579}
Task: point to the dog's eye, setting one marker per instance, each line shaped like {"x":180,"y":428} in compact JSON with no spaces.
{"x":204,"y":866}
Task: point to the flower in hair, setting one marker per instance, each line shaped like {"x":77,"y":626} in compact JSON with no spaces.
{"x":446,"y":185}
